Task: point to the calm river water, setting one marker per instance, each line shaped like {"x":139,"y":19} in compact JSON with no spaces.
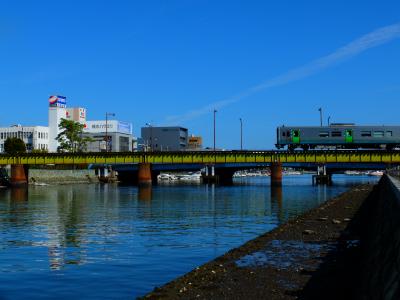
{"x":117,"y":242}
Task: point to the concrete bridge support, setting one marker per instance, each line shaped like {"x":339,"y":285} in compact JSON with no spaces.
{"x":222,"y":176}
{"x":276,"y":174}
{"x":209,"y":175}
{"x":144,"y":174}
{"x":322,"y":177}
{"x":19,"y":175}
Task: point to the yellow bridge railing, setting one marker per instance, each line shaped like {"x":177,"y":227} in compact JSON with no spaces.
{"x":205,"y":157}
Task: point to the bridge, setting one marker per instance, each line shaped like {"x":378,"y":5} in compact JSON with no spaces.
{"x":219,"y":165}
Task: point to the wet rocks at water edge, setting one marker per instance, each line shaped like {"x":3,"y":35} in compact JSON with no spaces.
{"x":308,"y":258}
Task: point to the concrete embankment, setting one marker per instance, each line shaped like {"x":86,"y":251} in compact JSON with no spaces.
{"x":348,"y":248}
{"x":380,"y":242}
{"x":38,"y":176}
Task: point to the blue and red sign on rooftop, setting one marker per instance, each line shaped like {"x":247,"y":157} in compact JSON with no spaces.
{"x":58,"y":101}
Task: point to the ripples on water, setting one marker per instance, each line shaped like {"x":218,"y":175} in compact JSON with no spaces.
{"x":108,"y":241}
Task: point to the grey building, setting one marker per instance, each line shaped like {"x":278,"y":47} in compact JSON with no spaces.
{"x":171,"y":138}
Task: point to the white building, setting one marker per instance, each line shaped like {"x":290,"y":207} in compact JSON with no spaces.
{"x":58,"y":110}
{"x":34,"y":137}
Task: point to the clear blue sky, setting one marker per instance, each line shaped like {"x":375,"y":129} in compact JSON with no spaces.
{"x":156,"y":61}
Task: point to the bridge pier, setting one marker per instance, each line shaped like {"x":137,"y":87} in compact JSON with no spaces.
{"x":144,"y":174}
{"x":222,"y":176}
{"x":209,"y":175}
{"x":276,"y":174}
{"x":322,"y":176}
{"x":19,"y":175}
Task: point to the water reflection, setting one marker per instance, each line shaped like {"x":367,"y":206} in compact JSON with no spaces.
{"x":276,"y":203}
{"x":19,"y":194}
{"x":106,"y":241}
{"x":145,"y":192}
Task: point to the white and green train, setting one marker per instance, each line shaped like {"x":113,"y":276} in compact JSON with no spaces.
{"x":338,"y":136}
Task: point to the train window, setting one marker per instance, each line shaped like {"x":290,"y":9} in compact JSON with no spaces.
{"x":365,"y":133}
{"x":378,"y":134}
{"x":389,"y":133}
{"x":288,"y":133}
{"x":324,"y":134}
{"x":283,"y":133}
{"x":336,"y":133}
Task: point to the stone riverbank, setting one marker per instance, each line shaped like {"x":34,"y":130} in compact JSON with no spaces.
{"x":315,"y":256}
{"x":45,"y":176}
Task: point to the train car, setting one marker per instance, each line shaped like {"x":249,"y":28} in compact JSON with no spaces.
{"x":338,"y":136}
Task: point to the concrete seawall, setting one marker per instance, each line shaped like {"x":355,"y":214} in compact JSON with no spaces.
{"x":61,"y":176}
{"x":380,"y":242}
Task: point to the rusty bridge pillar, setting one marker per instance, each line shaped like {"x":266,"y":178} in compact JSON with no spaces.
{"x":144,"y":174}
{"x":276,"y":174}
{"x":19,"y":175}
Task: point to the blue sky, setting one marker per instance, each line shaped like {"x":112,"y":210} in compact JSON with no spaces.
{"x":170,"y":62}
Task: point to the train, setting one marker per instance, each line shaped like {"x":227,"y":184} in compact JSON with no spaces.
{"x":338,"y":136}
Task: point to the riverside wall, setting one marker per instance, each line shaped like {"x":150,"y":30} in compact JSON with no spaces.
{"x":380,"y":242}
{"x":37,"y":176}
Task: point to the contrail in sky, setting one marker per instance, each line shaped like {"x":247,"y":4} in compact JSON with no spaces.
{"x":373,"y":39}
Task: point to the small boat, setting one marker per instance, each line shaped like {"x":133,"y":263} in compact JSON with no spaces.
{"x":375,"y":173}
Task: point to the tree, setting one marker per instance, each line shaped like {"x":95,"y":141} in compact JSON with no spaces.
{"x":14,"y":146}
{"x":70,"y":137}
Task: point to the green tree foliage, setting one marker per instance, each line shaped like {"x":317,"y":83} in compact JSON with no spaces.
{"x":70,"y":137}
{"x":14,"y":146}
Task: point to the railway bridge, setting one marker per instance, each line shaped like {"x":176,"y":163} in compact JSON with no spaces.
{"x":143,"y":167}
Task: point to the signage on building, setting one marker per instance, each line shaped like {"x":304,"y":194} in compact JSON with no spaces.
{"x":58,"y":101}
{"x":112,"y":126}
{"x":125,"y":127}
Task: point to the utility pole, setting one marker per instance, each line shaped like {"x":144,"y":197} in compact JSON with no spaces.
{"x":241,"y":134}
{"x":329,"y":120}
{"x":320,"y":115}
{"x":215,"y":111}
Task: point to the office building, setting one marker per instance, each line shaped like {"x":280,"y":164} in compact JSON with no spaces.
{"x":195,"y":143}
{"x":34,"y":137}
{"x":171,"y":138}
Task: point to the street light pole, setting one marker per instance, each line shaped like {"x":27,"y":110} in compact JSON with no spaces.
{"x":320,"y":115}
{"x":241,"y":134}
{"x":215,"y":111}
{"x":151,"y":136}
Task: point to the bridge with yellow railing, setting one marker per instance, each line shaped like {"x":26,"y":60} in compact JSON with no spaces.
{"x":205,"y":157}
{"x":218,"y":165}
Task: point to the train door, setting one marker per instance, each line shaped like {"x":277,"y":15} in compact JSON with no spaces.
{"x":348,"y":135}
{"x":296,"y":136}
